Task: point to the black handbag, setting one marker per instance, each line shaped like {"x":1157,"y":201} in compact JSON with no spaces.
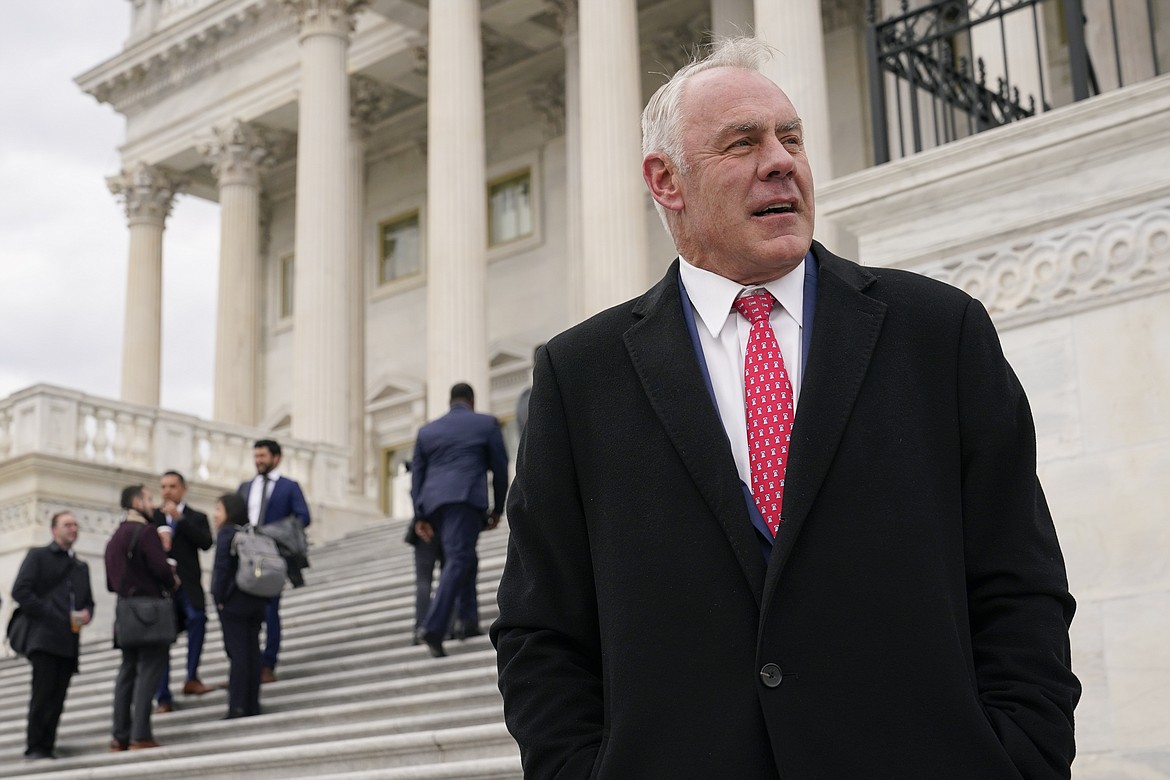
{"x":143,"y":621}
{"x":18,"y":632}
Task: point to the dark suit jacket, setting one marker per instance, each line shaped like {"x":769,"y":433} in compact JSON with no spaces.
{"x":915,"y":604}
{"x":286,"y":499}
{"x":452,"y":456}
{"x":192,"y":534}
{"x":47,"y":605}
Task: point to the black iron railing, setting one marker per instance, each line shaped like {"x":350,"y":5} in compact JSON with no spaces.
{"x":951,"y":68}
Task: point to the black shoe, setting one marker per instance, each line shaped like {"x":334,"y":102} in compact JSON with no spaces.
{"x":233,"y":714}
{"x":434,"y":644}
{"x":471,"y":630}
{"x":37,"y":755}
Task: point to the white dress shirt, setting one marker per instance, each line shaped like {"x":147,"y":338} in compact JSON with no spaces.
{"x":254,"y":497}
{"x":723,"y":335}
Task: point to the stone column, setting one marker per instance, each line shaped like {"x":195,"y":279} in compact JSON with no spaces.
{"x":794,"y":28}
{"x":236,"y":154}
{"x":612,"y":192}
{"x":320,"y":398}
{"x":731,"y":17}
{"x":370,"y":102}
{"x":567,"y":12}
{"x":148,"y":193}
{"x":456,"y":210}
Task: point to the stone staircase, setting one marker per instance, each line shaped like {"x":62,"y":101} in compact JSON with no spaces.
{"x":355,"y":699}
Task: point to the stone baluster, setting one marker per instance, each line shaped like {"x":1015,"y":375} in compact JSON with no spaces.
{"x":101,"y":435}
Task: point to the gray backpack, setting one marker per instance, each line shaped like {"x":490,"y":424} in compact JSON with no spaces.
{"x":261,"y":570}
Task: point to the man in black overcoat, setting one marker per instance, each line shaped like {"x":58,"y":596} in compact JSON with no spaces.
{"x":53,"y":590}
{"x":876,"y":591}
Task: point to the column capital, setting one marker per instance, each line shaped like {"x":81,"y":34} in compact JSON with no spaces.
{"x":239,"y":151}
{"x":147,"y":191}
{"x":325,"y":17}
{"x":549,"y":101}
{"x":370,"y":101}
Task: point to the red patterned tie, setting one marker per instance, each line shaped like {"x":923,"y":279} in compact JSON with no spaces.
{"x":768,"y":401}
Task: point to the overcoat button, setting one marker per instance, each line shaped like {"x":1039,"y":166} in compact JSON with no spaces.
{"x":771,"y":675}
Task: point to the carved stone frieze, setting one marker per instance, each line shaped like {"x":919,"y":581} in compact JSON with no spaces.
{"x":147,"y":191}
{"x":239,"y":151}
{"x":334,"y":17}
{"x":1068,"y":269}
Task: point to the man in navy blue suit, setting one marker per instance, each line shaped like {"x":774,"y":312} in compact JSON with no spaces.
{"x":272,"y":497}
{"x":452,"y":457}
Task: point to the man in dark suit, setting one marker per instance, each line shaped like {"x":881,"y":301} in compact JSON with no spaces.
{"x":686,"y":595}
{"x":272,"y":497}
{"x":452,"y":457}
{"x":190,"y":533}
{"x":54,"y":593}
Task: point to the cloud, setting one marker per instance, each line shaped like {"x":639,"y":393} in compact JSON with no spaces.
{"x":63,"y":236}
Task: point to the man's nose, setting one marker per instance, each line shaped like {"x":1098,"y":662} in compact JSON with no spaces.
{"x":777,"y":159}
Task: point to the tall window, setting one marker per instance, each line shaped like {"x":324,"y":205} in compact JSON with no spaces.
{"x":401,"y":248}
{"x":510,"y":207}
{"x":287,"y":276}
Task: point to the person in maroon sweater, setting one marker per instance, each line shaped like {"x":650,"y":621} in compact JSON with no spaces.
{"x":146,"y":573}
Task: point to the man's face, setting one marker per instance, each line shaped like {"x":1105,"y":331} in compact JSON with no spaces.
{"x":144,"y":503}
{"x":745,"y":204}
{"x":265,"y":460}
{"x":172,"y":489}
{"x":65,"y":531}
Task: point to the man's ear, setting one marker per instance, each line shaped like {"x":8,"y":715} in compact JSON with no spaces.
{"x":663,"y":181}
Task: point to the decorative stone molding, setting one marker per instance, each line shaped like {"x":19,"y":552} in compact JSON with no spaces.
{"x":1069,"y":269}
{"x":185,"y":55}
{"x":325,"y":17}
{"x":239,"y":151}
{"x":549,"y":101}
{"x":147,"y":191}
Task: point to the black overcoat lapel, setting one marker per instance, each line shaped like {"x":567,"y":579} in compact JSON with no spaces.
{"x":845,"y":331}
{"x":664,"y":358}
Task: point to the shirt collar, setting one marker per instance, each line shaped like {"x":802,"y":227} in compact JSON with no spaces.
{"x":713,"y":295}
{"x":272,"y":475}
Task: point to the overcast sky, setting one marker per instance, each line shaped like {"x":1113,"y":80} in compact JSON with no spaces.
{"x":63,"y":236}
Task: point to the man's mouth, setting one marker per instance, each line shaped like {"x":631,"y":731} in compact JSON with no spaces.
{"x":775,"y":208}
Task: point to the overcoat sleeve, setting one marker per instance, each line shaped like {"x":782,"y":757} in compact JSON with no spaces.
{"x":547,"y":634}
{"x":1018,"y":601}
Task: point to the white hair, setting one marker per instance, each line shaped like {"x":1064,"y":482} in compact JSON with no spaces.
{"x":661,"y":121}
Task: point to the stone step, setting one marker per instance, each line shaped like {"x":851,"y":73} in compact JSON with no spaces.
{"x":355,"y":699}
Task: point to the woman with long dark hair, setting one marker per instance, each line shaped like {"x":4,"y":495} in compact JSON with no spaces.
{"x":240,"y":613}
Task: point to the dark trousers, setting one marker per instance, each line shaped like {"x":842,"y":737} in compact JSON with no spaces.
{"x":272,"y":631}
{"x":196,"y":622}
{"x":458,"y":527}
{"x":240,"y":620}
{"x":50,"y":682}
{"x":134,"y":688}
{"x":425,"y":557}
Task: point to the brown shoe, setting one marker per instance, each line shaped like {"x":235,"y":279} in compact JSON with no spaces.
{"x":164,"y":708}
{"x":195,"y":688}
{"x":117,"y":746}
{"x":267,"y":675}
{"x":143,"y":744}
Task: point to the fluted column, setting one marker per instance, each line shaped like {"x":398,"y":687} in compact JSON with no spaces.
{"x":612,"y":191}
{"x":567,"y":13}
{"x":236,"y":154}
{"x":794,"y":28}
{"x":148,"y":193}
{"x":456,"y":214}
{"x":731,"y":17}
{"x":320,"y":398}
